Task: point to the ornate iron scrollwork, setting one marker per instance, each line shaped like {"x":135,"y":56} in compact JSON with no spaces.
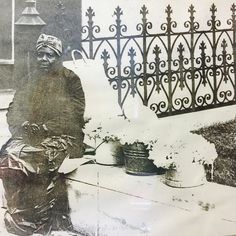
{"x":172,"y":72}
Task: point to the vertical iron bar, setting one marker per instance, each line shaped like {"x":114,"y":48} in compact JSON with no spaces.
{"x":157,"y":52}
{"x":213,"y":21}
{"x":180,"y":49}
{"x":90,"y":14}
{"x":132,"y":54}
{"x":224,"y":60}
{"x":105,"y":56}
{"x":169,"y":57}
{"x":233,"y":9}
{"x":202,"y":47}
{"x":192,"y":11}
{"x":118,"y":12}
{"x":144,"y":13}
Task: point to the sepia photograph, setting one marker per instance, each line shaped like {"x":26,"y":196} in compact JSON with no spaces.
{"x":117,"y":118}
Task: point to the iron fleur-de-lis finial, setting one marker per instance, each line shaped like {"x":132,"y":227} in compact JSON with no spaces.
{"x":131,"y":53}
{"x":202,"y":46}
{"x":156,"y":51}
{"x":233,"y":9}
{"x":191,"y":24}
{"x":213,"y":9}
{"x":191,"y":10}
{"x":90,"y":13}
{"x":105,"y":56}
{"x":118,"y":27}
{"x":167,"y":27}
{"x":118,"y":12}
{"x":169,"y":11}
{"x":144,"y":12}
{"x":232,"y":21}
{"x":180,"y":49}
{"x":213,"y":23}
{"x":224,"y":44}
{"x":145,"y":25}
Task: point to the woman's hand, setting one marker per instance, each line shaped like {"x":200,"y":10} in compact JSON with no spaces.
{"x":25,"y":127}
{"x":33,"y":129}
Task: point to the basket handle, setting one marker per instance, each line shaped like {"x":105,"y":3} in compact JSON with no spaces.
{"x":73,"y":52}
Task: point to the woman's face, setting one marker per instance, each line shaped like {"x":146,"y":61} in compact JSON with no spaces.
{"x":46,"y":58}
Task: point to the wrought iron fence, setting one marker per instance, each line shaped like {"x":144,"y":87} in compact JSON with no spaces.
{"x":172,"y":72}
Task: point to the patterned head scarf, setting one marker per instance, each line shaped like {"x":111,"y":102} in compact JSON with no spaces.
{"x":49,"y":41}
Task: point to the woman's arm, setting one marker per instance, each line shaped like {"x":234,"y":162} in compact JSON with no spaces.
{"x":70,"y":117}
{"x":17,"y":113}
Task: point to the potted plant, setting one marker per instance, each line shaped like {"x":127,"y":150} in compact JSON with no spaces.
{"x":137,"y":159}
{"x":184,"y":159}
{"x":106,"y":142}
{"x":138,"y":138}
{"x":134,"y":135}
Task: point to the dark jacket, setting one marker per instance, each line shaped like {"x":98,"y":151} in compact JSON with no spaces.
{"x":55,"y":100}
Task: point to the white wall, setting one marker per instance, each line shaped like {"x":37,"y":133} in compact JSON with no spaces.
{"x":104,"y":10}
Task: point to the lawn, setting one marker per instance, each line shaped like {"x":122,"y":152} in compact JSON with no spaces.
{"x":223,"y":135}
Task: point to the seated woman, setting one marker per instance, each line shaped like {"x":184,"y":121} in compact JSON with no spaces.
{"x":46,"y":121}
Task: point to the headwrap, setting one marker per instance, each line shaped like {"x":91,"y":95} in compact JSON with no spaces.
{"x":50,"y":41}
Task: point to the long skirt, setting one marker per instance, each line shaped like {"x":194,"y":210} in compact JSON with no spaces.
{"x":36,"y":194}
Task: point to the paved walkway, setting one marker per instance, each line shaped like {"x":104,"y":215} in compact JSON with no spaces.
{"x":107,"y":201}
